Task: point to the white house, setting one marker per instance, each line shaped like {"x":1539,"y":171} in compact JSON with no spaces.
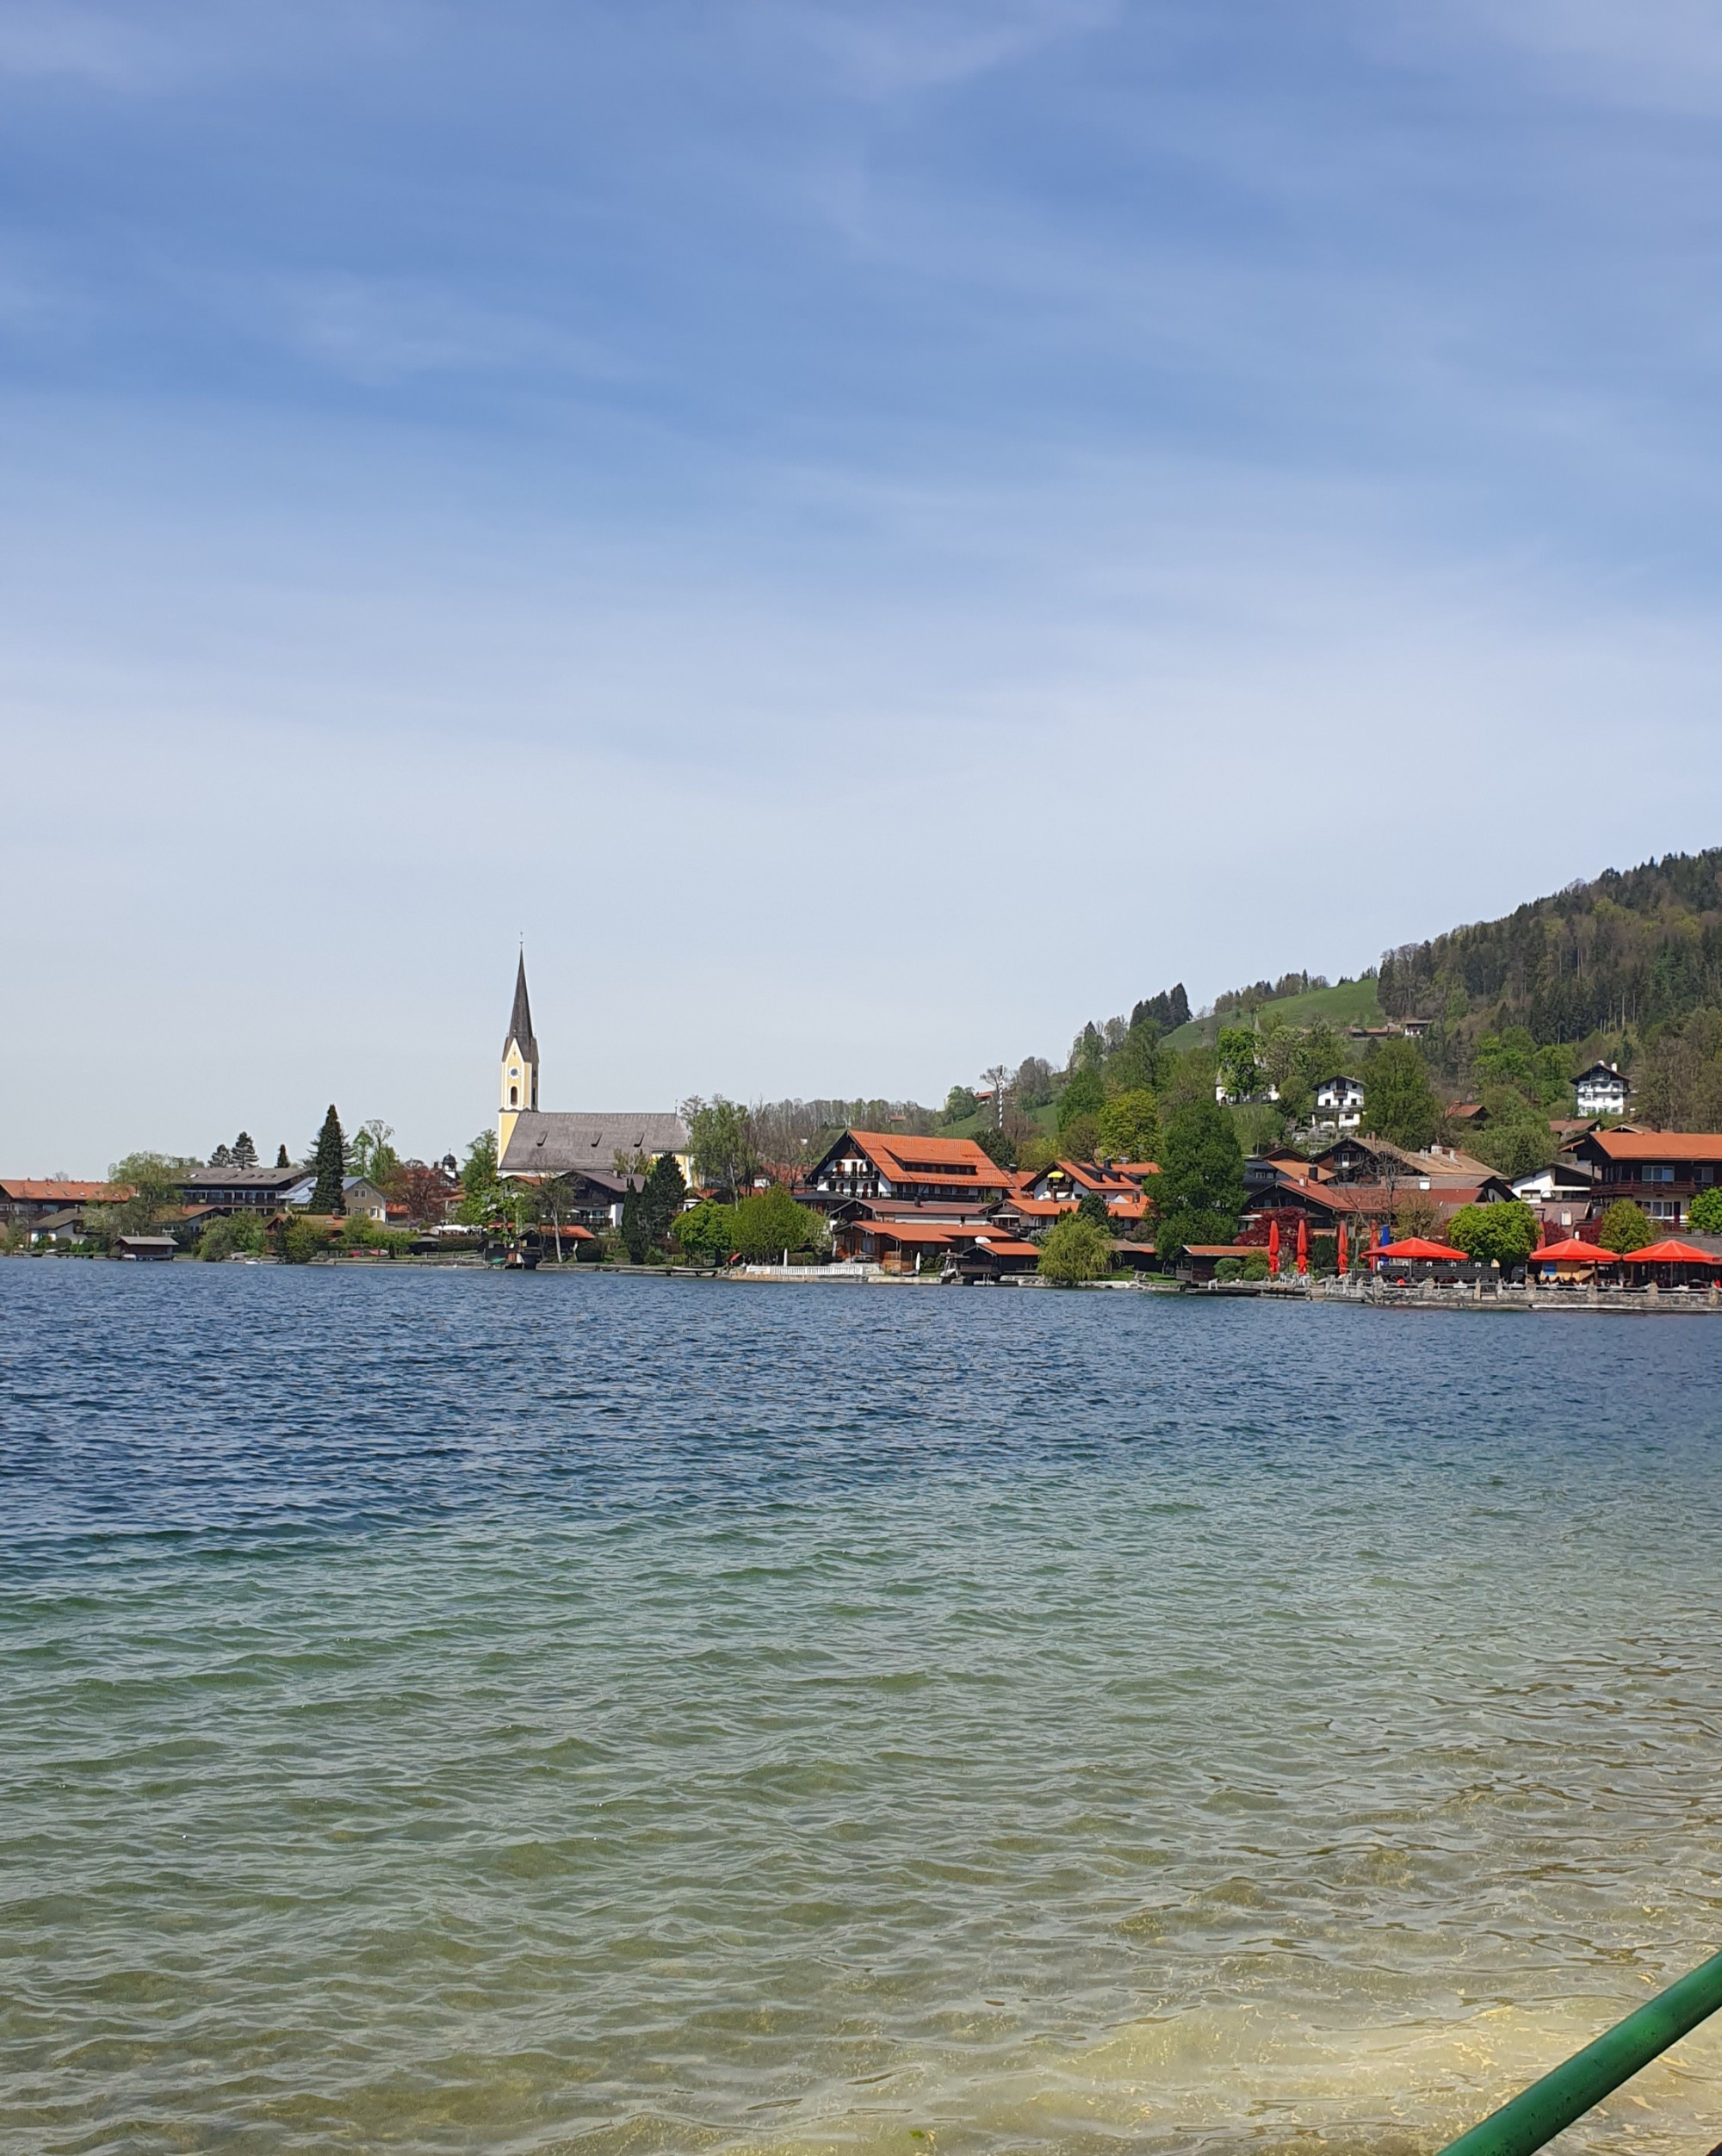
{"x":1339,"y":1104}
{"x":1601,"y":1091}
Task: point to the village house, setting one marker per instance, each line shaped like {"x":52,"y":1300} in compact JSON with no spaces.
{"x":27,"y":1201}
{"x":1600,"y":1091}
{"x":904,"y":1202}
{"x":239,"y":1190}
{"x":1339,"y":1105}
{"x":876,"y":1165}
{"x":1661,"y":1171}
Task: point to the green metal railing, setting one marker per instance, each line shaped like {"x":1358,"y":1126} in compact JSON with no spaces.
{"x":1551,"y":2105}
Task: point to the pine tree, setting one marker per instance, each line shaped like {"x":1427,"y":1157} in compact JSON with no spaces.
{"x":244,"y":1150}
{"x":636,"y":1237}
{"x":330,"y":1163}
{"x":281,"y":1158}
{"x":660,"y":1200}
{"x":220,"y":1157}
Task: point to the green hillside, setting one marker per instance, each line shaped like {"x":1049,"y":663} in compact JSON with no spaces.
{"x":1637,"y":948}
{"x":1352,"y":1003}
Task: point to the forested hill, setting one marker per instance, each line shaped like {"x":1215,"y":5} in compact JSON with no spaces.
{"x":1636,"y":948}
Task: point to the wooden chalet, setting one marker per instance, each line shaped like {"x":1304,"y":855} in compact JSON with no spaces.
{"x":872,"y":1165}
{"x":1661,"y":1171}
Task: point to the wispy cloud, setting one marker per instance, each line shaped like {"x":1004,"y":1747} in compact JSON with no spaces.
{"x":891,"y":48}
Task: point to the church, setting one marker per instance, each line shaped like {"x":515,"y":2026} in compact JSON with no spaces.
{"x":606,"y":1148}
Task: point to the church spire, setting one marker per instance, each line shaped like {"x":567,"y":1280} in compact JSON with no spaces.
{"x":518,"y":1093}
{"x":520,"y":1021}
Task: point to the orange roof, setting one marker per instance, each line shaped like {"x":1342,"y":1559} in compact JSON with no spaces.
{"x":1045,"y":1208}
{"x":912,"y":1230}
{"x":1136,"y":1168}
{"x":1003,"y":1249}
{"x":1659,"y":1145}
{"x":38,"y":1193}
{"x":930,"y":1160}
{"x":1134,"y":1207}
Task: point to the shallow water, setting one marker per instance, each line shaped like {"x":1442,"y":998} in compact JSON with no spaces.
{"x":452,"y":1712}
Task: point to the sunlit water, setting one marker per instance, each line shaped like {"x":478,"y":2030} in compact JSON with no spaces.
{"x":457,"y":1712}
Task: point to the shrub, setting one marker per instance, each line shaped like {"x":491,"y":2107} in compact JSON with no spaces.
{"x":1255,"y":1266}
{"x":303,"y":1239}
{"x":239,"y":1234}
{"x":1229,"y":1269}
{"x":769,"y":1223}
{"x":706,"y":1233}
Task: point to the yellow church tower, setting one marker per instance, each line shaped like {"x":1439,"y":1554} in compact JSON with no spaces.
{"x":519,"y":1084}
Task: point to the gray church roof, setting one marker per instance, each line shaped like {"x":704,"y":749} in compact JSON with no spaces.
{"x":542,"y":1144}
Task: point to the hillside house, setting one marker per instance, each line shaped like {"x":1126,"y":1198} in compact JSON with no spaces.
{"x":1339,"y":1105}
{"x":1600,"y":1091}
{"x":872,"y":1165}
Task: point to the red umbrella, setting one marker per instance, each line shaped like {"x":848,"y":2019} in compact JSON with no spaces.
{"x":1303,"y":1245}
{"x":1340,"y":1252}
{"x":1573,"y":1252}
{"x":1273,"y":1248}
{"x":1673,"y":1253}
{"x":1419,"y":1247}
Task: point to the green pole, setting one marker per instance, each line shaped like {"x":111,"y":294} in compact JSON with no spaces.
{"x":1551,"y":2105}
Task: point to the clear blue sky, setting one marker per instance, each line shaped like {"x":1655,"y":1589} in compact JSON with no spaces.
{"x":873,"y":533}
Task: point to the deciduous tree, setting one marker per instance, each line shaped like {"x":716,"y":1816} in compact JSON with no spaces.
{"x":1199,"y":1193}
{"x":706,"y":1232}
{"x":721,"y":1140}
{"x":478,"y":1181}
{"x":1495,"y":1235}
{"x":770,"y":1221}
{"x":1075,"y":1249}
{"x":1625,"y":1228}
{"x":1399,"y":1102}
{"x":1705,"y":1213}
{"x":1128,"y":1128}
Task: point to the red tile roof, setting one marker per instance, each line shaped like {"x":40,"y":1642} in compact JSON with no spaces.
{"x":930,"y":1160}
{"x":22,"y":1190}
{"x":1659,"y":1145}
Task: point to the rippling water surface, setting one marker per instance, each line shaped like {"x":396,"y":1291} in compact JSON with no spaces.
{"x":450,"y":1712}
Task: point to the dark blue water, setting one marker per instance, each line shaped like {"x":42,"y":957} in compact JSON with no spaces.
{"x":448,"y":1710}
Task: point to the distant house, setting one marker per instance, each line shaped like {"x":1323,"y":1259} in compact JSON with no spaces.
{"x":240,"y":1190}
{"x":358,"y":1195}
{"x":1339,"y":1104}
{"x":157,"y":1249}
{"x":1224,"y":1100}
{"x":24,"y":1200}
{"x":1600,"y":1091}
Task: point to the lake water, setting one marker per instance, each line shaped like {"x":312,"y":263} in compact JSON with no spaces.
{"x":445,"y":1710}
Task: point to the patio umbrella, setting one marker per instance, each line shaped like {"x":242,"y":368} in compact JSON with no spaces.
{"x":1340,"y":1251}
{"x":1303,"y":1246}
{"x":1421,"y":1250}
{"x":1674,"y":1251}
{"x":1273,"y":1248}
{"x":1573,"y":1252}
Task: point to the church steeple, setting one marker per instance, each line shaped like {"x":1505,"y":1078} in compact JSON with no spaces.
{"x":518,"y":1091}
